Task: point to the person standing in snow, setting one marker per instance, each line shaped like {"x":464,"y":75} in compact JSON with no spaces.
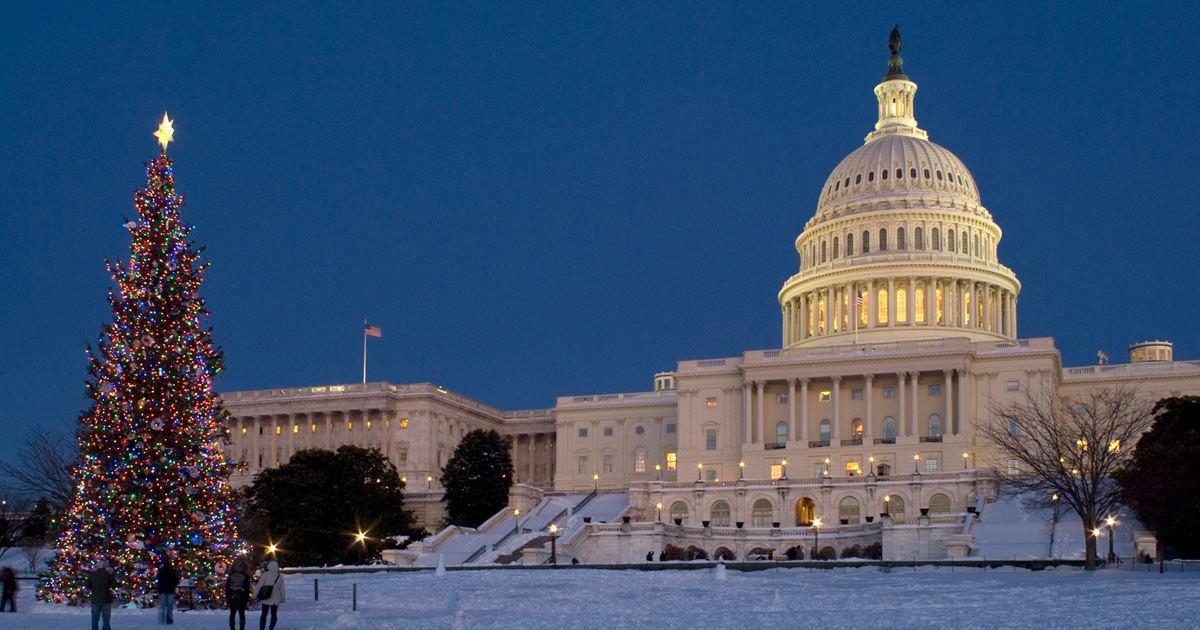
{"x":101,"y":582}
{"x":10,"y":590}
{"x":270,"y":591}
{"x":168,"y":580}
{"x":237,"y":591}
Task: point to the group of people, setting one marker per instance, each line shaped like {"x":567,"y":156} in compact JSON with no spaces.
{"x":240,"y":588}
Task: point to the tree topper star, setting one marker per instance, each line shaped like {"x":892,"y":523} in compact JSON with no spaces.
{"x":164,"y":132}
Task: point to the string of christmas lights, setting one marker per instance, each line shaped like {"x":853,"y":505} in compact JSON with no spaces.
{"x":153,"y":478}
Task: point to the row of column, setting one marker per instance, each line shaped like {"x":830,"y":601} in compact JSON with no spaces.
{"x":528,"y":465}
{"x":836,"y":307}
{"x":282,"y":435}
{"x":754,"y":429}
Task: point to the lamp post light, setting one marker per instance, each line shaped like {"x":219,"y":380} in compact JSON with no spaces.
{"x":741,"y":470}
{"x":916,"y":464}
{"x":596,"y":482}
{"x":429,"y":482}
{"x":871,"y":465}
{"x":516,"y":521}
{"x":887,"y":505}
{"x":360,"y":539}
{"x":1111,"y":521}
{"x":784,"y":469}
{"x":553,"y":544}
{"x":658,"y":472}
{"x":816,"y":537}
{"x":660,"y":512}
{"x":965,"y":456}
{"x":699,"y":471}
{"x":826,"y":467}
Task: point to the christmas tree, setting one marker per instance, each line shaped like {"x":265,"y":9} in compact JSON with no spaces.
{"x":153,"y":478}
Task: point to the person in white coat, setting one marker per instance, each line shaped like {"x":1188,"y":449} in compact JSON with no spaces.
{"x":270,"y":604}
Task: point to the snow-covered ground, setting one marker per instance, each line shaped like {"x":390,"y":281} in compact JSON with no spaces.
{"x":698,"y":599}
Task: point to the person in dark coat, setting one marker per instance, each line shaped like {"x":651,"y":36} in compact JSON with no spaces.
{"x":101,"y":582}
{"x":168,"y":580}
{"x":270,"y":604}
{"x":649,"y":556}
{"x":10,"y":590}
{"x":237,"y":591}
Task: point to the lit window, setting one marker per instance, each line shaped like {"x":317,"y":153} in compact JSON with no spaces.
{"x":671,"y":460}
{"x":919,"y":314}
{"x":608,"y":431}
{"x":277,"y":430}
{"x":583,"y":433}
{"x":582,"y":459}
{"x":935,"y":390}
{"x":404,"y":423}
{"x":295,"y":429}
{"x":369,"y":426}
{"x":314,"y":428}
{"x":825,"y":396}
{"x":710,"y":402}
{"x":710,"y":439}
{"x":350,"y":426}
{"x":1014,"y":386}
{"x":608,"y":463}
{"x":776,"y":471}
{"x":243,"y":430}
{"x":439,"y":426}
{"x":883,"y":306}
{"x":781,"y":399}
{"x":639,"y":459}
{"x":939,"y":306}
{"x":821,"y":316}
{"x":856,"y":394}
{"x":901,"y":306}
{"x":670,"y":428}
{"x":852,"y":469}
{"x":931,"y":465}
{"x":1114,"y":446}
{"x":889,"y":392}
{"x":862,"y":314}
{"x":856,"y":429}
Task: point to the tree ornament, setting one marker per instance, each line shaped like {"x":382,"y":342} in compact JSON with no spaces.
{"x":156,"y":424}
{"x":148,"y":341}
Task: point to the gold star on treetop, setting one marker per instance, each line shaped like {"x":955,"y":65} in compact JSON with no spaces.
{"x":164,"y":132}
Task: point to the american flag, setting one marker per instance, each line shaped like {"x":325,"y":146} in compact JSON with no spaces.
{"x":858,"y":300}
{"x":372,"y":331}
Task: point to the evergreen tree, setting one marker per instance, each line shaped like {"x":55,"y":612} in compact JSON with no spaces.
{"x":477,"y":478}
{"x":1162,"y":482}
{"x":152,"y":477}
{"x":314,"y":507}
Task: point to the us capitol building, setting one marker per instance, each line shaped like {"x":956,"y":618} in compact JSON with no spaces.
{"x":898,"y":339}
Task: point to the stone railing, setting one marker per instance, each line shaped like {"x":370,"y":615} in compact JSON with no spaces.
{"x":263,"y":395}
{"x":923,"y":257}
{"x":653,"y":486}
{"x":665,"y":396}
{"x":1131,"y":370}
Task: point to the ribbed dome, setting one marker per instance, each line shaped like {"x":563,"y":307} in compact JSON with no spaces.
{"x":910,"y":164}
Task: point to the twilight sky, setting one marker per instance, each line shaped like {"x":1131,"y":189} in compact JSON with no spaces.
{"x":535,"y":202}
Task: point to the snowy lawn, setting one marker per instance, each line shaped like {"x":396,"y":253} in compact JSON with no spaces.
{"x":710,"y":598}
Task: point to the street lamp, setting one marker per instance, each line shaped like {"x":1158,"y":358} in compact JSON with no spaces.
{"x":658,"y":472}
{"x":659,"y":512}
{"x":916,"y":462}
{"x":965,"y":455}
{"x":826,"y":466}
{"x":816,"y":537}
{"x":596,"y":482}
{"x":871,"y":464}
{"x":784,"y":469}
{"x":553,"y":544}
{"x":1111,"y":521}
{"x":429,"y":482}
{"x":741,"y":470}
{"x":887,"y":505}
{"x":699,"y":471}
{"x":516,"y":521}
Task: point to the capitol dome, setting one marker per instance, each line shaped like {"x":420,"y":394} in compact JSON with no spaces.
{"x":900,"y":245}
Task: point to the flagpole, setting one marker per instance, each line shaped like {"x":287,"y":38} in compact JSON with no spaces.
{"x":364,"y":351}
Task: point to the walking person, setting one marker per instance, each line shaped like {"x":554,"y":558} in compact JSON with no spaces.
{"x":101,"y":582}
{"x":168,"y":580}
{"x":237,"y":591}
{"x":270,"y":591}
{"x":10,"y":590}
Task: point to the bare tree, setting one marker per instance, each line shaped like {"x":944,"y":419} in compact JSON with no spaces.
{"x":14,"y":519}
{"x":1069,"y":447}
{"x":44,"y":467}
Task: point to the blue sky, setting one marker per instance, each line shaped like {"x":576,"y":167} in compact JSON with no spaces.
{"x":537,"y":201}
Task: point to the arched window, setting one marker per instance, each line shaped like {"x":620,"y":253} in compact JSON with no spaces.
{"x":835,"y":248}
{"x":679,"y":510}
{"x":781,"y":434}
{"x":935,"y":426}
{"x":895,"y":506}
{"x":824,"y":251}
{"x":966,"y":308}
{"x":761,"y":513}
{"x":871,"y":176}
{"x":866,"y":248}
{"x":806,"y":510}
{"x":884,"y":174}
{"x":901,"y":305}
{"x":825,"y":432}
{"x":939,"y":306}
{"x":912,"y":172}
{"x":821,"y":316}
{"x":862,"y":297}
{"x":934,"y":240}
{"x":950,"y":246}
{"x":858,"y":179}
{"x":919,"y":238}
{"x":901,"y":244}
{"x":965,"y":243}
{"x":856,"y":428}
{"x":848,"y":511}
{"x":639,"y":459}
{"x":849,"y":244}
{"x":939,"y":504}
{"x":883,"y":307}
{"x":919,"y":311}
{"x":977,"y":246}
{"x":883,"y":242}
{"x":889,"y":429}
{"x":719,"y":516}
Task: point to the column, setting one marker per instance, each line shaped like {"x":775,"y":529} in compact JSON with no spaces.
{"x":991,"y":315}
{"x":787,"y":323}
{"x":910,"y":302}
{"x":804,"y":411}
{"x":931,"y":301}
{"x":891,"y":305}
{"x":869,"y":420}
{"x":761,"y":422}
{"x":962,"y":380}
{"x":829,"y":297}
{"x":948,"y":393}
{"x":273,"y":456}
{"x":747,"y":436}
{"x":792,"y":432}
{"x":914,"y":377}
{"x":901,"y":417}
{"x":256,"y":437}
{"x":835,"y":433}
{"x":328,"y":431}
{"x":871,"y":310}
{"x":802,"y":319}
